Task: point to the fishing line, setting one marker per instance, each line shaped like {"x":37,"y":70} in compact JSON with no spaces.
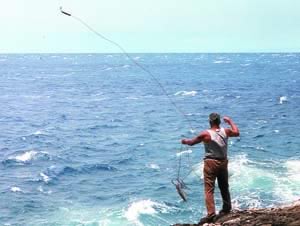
{"x":179,"y":181}
{"x":133,"y":61}
{"x":179,"y":184}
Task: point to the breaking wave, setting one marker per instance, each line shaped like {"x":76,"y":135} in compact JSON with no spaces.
{"x":186,"y":93}
{"x":15,"y":189}
{"x":26,"y":157}
{"x":144,"y":207}
{"x":248,"y":180}
{"x":282,"y":99}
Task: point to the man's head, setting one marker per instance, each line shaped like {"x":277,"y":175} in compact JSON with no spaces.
{"x":214,"y":119}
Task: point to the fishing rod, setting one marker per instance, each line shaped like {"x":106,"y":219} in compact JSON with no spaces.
{"x":179,"y":110}
{"x":179,"y":184}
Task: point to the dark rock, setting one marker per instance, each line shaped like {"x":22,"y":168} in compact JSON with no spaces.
{"x":283,"y":216}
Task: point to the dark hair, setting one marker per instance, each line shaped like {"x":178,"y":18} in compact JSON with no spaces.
{"x":214,"y":119}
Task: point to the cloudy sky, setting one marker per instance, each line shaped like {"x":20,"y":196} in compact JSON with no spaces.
{"x":37,"y":26}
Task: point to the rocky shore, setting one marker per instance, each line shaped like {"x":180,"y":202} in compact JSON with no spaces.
{"x":283,"y":216}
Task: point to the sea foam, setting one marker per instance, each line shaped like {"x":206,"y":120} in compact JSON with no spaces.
{"x":222,"y":61}
{"x":186,"y":93}
{"x":26,"y":156}
{"x":16,"y":189}
{"x":153,"y":166}
{"x":143,"y":207}
{"x":287,"y":185}
{"x":45,"y":177}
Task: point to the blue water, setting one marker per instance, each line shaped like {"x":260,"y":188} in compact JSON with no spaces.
{"x":91,"y":139}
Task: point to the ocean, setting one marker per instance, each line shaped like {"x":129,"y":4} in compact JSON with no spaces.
{"x":91,"y":139}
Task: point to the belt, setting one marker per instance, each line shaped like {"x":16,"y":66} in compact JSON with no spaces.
{"x":214,"y":158}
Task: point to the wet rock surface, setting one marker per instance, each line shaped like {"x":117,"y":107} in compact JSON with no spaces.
{"x":283,"y":216}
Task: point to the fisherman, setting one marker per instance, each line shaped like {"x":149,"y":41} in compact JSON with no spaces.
{"x":215,"y":142}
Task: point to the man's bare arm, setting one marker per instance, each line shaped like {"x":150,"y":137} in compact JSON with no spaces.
{"x":202,"y":137}
{"x":234,"y":130}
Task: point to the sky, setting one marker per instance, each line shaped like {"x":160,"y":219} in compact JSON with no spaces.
{"x":181,"y":26}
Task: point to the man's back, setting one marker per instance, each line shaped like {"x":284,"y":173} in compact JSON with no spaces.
{"x":217,"y":147}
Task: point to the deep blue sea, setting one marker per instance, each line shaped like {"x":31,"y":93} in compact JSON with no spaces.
{"x":91,"y":139}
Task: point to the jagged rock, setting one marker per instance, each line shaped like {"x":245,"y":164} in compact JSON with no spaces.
{"x":283,"y":216}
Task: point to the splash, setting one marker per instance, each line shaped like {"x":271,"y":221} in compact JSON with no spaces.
{"x":143,"y":207}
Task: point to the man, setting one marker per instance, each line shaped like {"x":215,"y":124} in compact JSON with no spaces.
{"x":215,"y":142}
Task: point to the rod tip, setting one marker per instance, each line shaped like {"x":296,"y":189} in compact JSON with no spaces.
{"x":62,"y":11}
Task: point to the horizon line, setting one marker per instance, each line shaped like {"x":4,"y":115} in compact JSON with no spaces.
{"x":212,"y":52}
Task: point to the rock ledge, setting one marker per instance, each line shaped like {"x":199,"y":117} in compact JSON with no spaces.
{"x":283,"y":216}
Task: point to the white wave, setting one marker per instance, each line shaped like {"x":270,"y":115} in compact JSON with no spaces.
{"x":73,"y":213}
{"x":245,"y":65}
{"x":247,"y":180}
{"x":105,"y":222}
{"x":16,"y":189}
{"x":192,"y":131}
{"x":222,"y":61}
{"x":45,"y":177}
{"x":247,"y":176}
{"x":282,"y":99}
{"x":126,"y":66}
{"x":293,"y":167}
{"x":189,"y":151}
{"x":147,"y":207}
{"x":25,"y":157}
{"x":41,"y":189}
{"x":243,"y":174}
{"x":39,"y":132}
{"x":248,"y":200}
{"x":131,"y":98}
{"x":197,"y":171}
{"x":107,"y":69}
{"x":153,"y":166}
{"x":288,"y":185}
{"x":240,"y":172}
{"x":186,"y":93}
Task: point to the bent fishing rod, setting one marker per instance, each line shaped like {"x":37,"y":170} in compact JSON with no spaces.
{"x":179,"y":184}
{"x":179,"y":110}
